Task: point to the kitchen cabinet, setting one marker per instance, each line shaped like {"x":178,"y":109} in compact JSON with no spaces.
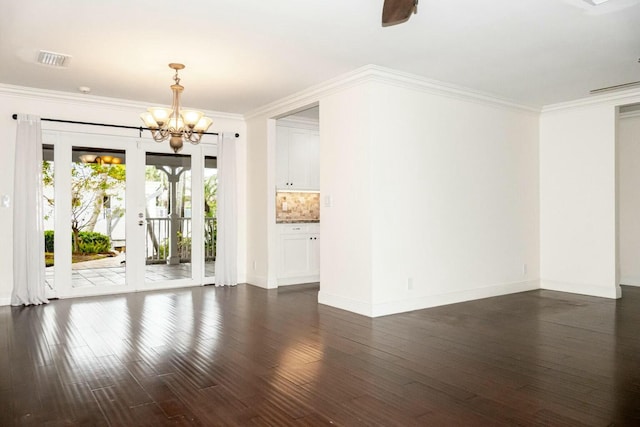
{"x":297,"y":159}
{"x":298,"y":253}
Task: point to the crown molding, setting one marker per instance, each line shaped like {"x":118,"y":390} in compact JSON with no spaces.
{"x":309,"y":96}
{"x":384,"y":75}
{"x":450,"y":90}
{"x":52,"y":95}
{"x":629,"y":96}
{"x":298,"y":121}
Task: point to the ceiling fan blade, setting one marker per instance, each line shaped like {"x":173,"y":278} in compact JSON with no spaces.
{"x":397,"y":11}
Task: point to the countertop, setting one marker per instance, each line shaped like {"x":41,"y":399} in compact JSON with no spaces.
{"x":297,"y":221}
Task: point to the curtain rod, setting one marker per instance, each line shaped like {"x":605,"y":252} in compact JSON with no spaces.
{"x":139,"y":128}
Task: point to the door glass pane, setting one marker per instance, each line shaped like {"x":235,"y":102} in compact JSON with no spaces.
{"x":48,"y":213}
{"x":168,"y":217}
{"x":98,"y":185}
{"x":210,"y":205}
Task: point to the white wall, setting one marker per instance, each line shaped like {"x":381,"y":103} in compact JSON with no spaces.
{"x":577,"y":200}
{"x":629,"y":198}
{"x":438,"y":190}
{"x":456,"y":189}
{"x":260,"y":201}
{"x":346,"y":137}
{"x":92,"y":109}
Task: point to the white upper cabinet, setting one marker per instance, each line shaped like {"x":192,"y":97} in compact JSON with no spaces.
{"x":297,"y":159}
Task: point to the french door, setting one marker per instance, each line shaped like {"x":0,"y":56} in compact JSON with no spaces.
{"x":138,"y":216}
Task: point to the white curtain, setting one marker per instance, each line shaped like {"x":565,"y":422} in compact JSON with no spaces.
{"x":28,"y":226}
{"x":226,"y":245}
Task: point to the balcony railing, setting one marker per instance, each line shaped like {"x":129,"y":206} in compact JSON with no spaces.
{"x":158,"y":241}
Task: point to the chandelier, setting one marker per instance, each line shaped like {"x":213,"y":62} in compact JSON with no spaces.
{"x":173,"y":123}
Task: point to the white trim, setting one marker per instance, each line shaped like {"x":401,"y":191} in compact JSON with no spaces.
{"x":299,"y":123}
{"x":419,"y":303}
{"x":436,"y":87}
{"x":623,"y":97}
{"x":343,"y":303}
{"x":38,"y":94}
{"x":602,"y":291}
{"x":5,"y":301}
{"x":376,"y":73}
{"x":309,"y":96}
{"x":123,"y":289}
{"x":259,"y":281}
{"x":630,"y":281}
{"x":287,"y":281}
{"x":410,"y":304}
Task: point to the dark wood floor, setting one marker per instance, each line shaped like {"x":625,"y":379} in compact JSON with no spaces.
{"x":246,"y":356}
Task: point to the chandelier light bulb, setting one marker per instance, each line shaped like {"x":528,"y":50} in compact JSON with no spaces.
{"x":191,"y":117}
{"x":160,"y":115}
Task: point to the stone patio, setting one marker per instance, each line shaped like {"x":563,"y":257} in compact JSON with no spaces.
{"x":112,"y":271}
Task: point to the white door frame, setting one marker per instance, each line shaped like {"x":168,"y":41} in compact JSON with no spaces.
{"x":135,"y":151}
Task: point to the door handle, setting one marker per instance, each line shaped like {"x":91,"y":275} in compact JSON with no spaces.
{"x":141,"y":223}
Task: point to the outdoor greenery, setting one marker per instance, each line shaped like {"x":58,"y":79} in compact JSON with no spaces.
{"x":97,"y":193}
{"x":89,"y":242}
{"x":91,"y":185}
{"x":48,"y":241}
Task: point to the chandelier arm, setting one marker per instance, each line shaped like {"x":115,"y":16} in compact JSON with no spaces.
{"x":161,"y":135}
{"x":195,"y":137}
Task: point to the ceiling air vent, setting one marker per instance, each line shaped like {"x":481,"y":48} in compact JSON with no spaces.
{"x":53,"y":59}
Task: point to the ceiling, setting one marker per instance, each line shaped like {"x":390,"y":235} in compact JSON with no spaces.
{"x":241,"y":55}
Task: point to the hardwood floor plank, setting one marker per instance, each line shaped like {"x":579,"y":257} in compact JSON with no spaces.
{"x":248,"y":356}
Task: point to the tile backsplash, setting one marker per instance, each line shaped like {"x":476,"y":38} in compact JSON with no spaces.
{"x":297,"y":207}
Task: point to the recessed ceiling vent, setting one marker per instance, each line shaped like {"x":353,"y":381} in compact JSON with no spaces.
{"x":53,"y":59}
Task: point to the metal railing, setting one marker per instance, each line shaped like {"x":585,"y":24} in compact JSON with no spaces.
{"x":158,"y":239}
{"x":210,"y":237}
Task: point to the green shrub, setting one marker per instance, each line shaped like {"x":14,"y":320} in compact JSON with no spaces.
{"x":93,"y":243}
{"x":48,"y":240}
{"x":90,"y":242}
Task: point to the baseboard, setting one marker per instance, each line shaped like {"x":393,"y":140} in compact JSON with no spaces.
{"x":582,"y":289}
{"x":343,"y":303}
{"x":630,"y":281}
{"x":259,"y":281}
{"x":298,"y":280}
{"x":5,"y":301}
{"x":419,"y":303}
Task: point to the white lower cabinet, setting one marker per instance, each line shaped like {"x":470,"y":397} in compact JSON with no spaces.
{"x":298,"y":253}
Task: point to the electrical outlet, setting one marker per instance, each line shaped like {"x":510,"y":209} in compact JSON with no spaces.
{"x":255,"y":266}
{"x":524,"y":269}
{"x":410,"y":283}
